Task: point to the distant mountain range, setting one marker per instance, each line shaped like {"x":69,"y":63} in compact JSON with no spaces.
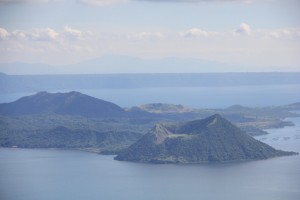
{"x":123,"y":64}
{"x":36,"y":83}
{"x":213,"y":139}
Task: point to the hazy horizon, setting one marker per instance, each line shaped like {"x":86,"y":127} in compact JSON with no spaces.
{"x":120,"y":64}
{"x":233,"y":36}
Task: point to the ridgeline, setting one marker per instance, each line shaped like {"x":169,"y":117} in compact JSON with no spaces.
{"x":213,"y":139}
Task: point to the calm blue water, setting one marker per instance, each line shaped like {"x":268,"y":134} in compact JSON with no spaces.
{"x":40,"y":174}
{"x":194,"y":97}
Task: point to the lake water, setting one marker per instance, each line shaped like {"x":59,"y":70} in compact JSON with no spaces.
{"x":41,"y":174}
{"x":194,"y":97}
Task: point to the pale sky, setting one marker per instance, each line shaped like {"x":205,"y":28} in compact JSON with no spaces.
{"x":263,"y":35}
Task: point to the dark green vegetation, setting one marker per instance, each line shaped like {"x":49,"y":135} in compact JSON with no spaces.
{"x":251,"y":120}
{"x":68,"y":120}
{"x":66,"y":131}
{"x":75,"y":120}
{"x":72,"y":103}
{"x":213,"y":139}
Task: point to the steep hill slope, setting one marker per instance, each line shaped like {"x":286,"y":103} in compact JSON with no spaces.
{"x":72,"y":103}
{"x":213,"y":139}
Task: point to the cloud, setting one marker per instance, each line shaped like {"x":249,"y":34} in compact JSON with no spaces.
{"x":102,"y":3}
{"x":244,"y":29}
{"x":3,"y":34}
{"x":69,"y":44}
{"x":148,"y":35}
{"x":196,"y":32}
{"x":72,"y":33}
{"x":47,"y":34}
{"x":281,"y":33}
{"x":45,"y":44}
{"x":37,"y":34}
{"x":18,"y":35}
{"x":7,"y":2}
{"x":43,"y":40}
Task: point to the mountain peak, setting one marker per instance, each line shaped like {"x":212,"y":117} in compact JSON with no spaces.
{"x":71,"y":103}
{"x":41,"y":93}
{"x":213,"y":139}
{"x":196,"y":126}
{"x":215,"y":119}
{"x":160,"y":132}
{"x":61,"y":93}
